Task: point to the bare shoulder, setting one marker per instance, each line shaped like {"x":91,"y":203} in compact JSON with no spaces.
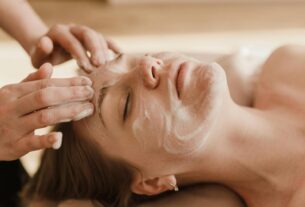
{"x":282,"y":78}
{"x":199,"y":196}
{"x":287,"y":58}
{"x":242,"y":70}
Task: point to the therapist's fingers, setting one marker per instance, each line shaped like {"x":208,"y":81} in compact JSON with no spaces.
{"x":93,"y":44}
{"x":61,"y":35}
{"x":113,"y":46}
{"x":52,"y":96}
{"x":24,"y":88}
{"x":33,"y":142}
{"x":44,"y":72}
{"x":59,"y":55}
{"x":41,"y":51}
{"x":57,"y":114}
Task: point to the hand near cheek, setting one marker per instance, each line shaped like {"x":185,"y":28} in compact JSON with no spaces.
{"x":37,"y":102}
{"x":65,"y":41}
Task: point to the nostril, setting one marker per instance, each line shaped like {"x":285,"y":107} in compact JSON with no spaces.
{"x":159,"y":62}
{"x":154,"y":72}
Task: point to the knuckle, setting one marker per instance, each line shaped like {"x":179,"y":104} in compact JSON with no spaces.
{"x":69,"y":43}
{"x":77,"y":91}
{"x":44,"y":83}
{"x":74,"y":111}
{"x":58,"y":28}
{"x":45,"y":118}
{"x":88,"y":33}
{"x":30,"y":145}
{"x":42,"y":97}
{"x":95,"y":48}
{"x":76,"y":81}
{"x":6,"y":89}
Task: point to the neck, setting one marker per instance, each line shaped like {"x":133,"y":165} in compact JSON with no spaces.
{"x":243,"y":155}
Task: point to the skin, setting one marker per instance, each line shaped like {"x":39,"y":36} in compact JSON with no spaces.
{"x":38,"y":102}
{"x":208,"y":195}
{"x":247,"y":150}
{"x":30,"y":107}
{"x":56,"y":44}
{"x":151,"y":93}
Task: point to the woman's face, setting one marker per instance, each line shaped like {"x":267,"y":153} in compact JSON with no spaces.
{"x":158,"y":105}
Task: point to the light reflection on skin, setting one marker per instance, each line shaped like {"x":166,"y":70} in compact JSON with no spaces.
{"x":159,"y":122}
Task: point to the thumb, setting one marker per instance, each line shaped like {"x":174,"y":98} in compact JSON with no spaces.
{"x":41,"y":51}
{"x":44,"y":72}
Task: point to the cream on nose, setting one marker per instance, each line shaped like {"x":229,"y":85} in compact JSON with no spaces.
{"x":149,"y":69}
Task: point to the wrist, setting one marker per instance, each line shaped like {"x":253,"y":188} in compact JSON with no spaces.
{"x":31,"y":40}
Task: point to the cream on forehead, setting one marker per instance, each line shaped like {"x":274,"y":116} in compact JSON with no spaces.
{"x":171,"y":132}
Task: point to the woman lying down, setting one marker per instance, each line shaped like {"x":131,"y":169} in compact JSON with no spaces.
{"x":166,"y":121}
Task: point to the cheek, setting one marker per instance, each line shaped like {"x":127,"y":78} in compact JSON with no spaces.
{"x":176,"y":128}
{"x":192,"y":121}
{"x":150,"y":124}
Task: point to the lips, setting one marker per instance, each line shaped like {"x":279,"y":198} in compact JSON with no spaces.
{"x":180,"y":78}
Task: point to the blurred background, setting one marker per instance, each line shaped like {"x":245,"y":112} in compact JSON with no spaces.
{"x":191,"y":26}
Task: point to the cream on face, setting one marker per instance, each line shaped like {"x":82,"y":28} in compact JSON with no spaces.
{"x":161,"y":121}
{"x":185,"y":125}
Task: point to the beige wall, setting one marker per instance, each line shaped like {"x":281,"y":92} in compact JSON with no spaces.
{"x":200,"y":1}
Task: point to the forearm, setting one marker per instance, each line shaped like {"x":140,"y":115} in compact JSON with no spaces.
{"x":20,"y":21}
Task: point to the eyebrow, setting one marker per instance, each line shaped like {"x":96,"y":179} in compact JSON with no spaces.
{"x":102,"y":94}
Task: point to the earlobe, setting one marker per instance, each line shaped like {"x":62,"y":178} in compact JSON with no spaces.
{"x":153,"y":186}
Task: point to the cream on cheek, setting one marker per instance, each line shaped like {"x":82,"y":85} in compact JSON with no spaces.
{"x":183,"y":128}
{"x":193,"y":121}
{"x":150,"y":124}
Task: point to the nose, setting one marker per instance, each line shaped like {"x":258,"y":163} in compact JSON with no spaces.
{"x":149,"y":68}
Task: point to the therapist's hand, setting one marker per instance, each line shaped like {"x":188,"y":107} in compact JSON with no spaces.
{"x":37,"y":102}
{"x":65,"y":41}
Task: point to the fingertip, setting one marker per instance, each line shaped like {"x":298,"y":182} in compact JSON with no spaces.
{"x":47,"y":67}
{"x":86,"y":66}
{"x":56,"y":140}
{"x":95,"y":61}
{"x":98,"y":59}
{"x":45,"y":45}
{"x":46,"y":70}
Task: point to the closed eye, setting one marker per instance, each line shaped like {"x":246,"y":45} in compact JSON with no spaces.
{"x":127,"y":107}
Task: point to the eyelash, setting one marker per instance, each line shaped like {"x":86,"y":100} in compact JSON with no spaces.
{"x":127,"y":106}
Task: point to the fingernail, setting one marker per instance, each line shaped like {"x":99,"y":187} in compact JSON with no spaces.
{"x":86,"y":81}
{"x":88,"y":91}
{"x":58,"y":142}
{"x":96,"y":61}
{"x":83,"y":114}
{"x":85,"y":65}
{"x":65,"y":120}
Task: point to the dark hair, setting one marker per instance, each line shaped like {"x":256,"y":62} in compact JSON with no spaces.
{"x":80,"y":170}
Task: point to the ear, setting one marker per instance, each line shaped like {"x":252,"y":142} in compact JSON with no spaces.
{"x":153,"y":186}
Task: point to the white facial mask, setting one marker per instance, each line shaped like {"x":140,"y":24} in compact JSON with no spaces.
{"x":178,"y":131}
